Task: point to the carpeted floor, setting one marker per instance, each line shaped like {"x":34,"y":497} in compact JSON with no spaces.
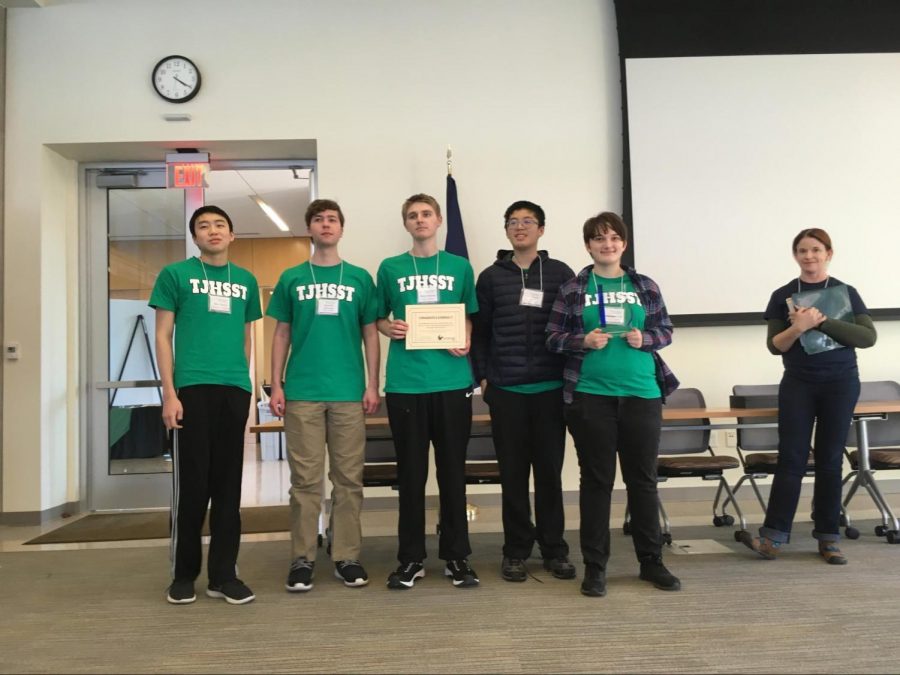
{"x":155,"y":525}
{"x":103,"y":610}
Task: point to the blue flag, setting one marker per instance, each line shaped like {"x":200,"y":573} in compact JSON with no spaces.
{"x":456,"y":236}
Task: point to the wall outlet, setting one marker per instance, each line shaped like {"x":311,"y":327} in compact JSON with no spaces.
{"x":730,"y":438}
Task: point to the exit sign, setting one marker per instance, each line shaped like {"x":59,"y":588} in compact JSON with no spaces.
{"x":187,"y":170}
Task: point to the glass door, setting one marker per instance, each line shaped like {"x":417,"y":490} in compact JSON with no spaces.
{"x":135,"y":226}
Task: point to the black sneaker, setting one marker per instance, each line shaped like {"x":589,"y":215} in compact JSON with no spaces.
{"x":462,"y":574}
{"x":405,"y":575}
{"x":234,"y":592}
{"x":300,"y":577}
{"x":181,"y":592}
{"x":560,"y":567}
{"x":513,"y":569}
{"x":351,"y":572}
{"x":655,"y":572}
{"x":594,"y":582}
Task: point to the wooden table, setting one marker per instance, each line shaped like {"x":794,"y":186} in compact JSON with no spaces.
{"x":865,"y":412}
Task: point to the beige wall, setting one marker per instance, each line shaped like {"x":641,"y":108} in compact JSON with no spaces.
{"x":527,"y":94}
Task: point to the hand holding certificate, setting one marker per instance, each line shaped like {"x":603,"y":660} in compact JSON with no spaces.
{"x":436,"y":326}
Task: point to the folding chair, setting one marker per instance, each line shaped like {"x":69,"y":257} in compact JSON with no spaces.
{"x":883,"y":443}
{"x":686,"y":453}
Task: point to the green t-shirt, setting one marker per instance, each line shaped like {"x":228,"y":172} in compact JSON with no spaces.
{"x":618,"y":369}
{"x":423,"y":371}
{"x":533,"y":387}
{"x":327,"y":308}
{"x":209,"y":345}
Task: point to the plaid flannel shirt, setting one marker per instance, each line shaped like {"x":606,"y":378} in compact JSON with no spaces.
{"x":565,"y":328}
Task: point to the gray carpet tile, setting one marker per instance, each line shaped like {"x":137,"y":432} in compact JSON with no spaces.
{"x":104,"y":610}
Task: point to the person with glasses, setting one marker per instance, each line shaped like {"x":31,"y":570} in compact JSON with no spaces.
{"x":325,"y":313}
{"x":522,"y":383}
{"x":428,"y":393}
{"x":611,"y":322}
{"x":207,"y":304}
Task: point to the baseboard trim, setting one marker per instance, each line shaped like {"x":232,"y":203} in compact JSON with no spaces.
{"x":39,"y":517}
{"x":670,"y":493}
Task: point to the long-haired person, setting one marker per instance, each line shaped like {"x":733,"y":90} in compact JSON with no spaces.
{"x":818,"y":389}
{"x":610,"y":322}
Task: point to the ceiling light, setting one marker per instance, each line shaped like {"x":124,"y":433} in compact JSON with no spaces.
{"x":271,"y":213}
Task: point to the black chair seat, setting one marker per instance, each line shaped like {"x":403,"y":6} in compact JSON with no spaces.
{"x":706,"y":465}
{"x":880,"y":458}
{"x":766,"y":462}
{"x":380,"y":475}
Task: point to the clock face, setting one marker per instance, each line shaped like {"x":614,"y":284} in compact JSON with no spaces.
{"x":176,"y":79}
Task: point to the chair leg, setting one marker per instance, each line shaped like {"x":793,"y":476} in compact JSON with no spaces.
{"x":762,"y":502}
{"x":723,"y":484}
{"x":716,"y":500}
{"x":734,"y":490}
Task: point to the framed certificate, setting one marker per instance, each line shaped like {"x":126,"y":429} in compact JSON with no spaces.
{"x":436,"y":326}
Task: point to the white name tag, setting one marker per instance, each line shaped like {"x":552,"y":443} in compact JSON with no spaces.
{"x":615,"y":316}
{"x":531,"y":298}
{"x":219,"y":304}
{"x":427,"y":295}
{"x":327,"y":306}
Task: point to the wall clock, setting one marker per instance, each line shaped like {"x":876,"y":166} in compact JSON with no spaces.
{"x":176,"y":79}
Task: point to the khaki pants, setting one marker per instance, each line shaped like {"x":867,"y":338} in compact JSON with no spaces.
{"x":309,"y":426}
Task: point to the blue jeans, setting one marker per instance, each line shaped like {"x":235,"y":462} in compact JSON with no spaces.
{"x":802,"y":403}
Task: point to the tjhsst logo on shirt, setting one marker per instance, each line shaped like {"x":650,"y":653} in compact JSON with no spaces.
{"x":222,"y":289}
{"x":442,"y":282}
{"x":325,"y":292}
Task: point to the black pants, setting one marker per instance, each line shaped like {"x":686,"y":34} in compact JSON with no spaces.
{"x":800,"y":404}
{"x":602,"y":425}
{"x":530,"y":433}
{"x":209,"y":454}
{"x":445,"y":419}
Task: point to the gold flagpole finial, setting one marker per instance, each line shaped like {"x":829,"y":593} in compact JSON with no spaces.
{"x":449,"y":161}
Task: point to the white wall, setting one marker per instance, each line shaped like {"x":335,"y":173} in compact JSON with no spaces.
{"x":527,"y":92}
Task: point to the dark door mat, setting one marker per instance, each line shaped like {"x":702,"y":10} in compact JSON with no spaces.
{"x":155,"y":525}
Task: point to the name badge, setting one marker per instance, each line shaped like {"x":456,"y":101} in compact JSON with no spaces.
{"x":427,"y":295}
{"x":531,"y":298}
{"x":615,"y":316}
{"x":219,"y":304}
{"x":327,"y":307}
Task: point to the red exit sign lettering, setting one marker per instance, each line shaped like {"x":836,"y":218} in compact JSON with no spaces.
{"x":187,"y":175}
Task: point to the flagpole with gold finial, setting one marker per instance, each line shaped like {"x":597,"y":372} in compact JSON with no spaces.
{"x":449,"y":161}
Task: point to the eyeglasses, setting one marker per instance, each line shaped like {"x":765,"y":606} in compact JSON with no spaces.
{"x":525,"y":223}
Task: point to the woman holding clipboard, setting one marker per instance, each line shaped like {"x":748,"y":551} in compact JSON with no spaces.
{"x":610,"y":322}
{"x":814,"y":323}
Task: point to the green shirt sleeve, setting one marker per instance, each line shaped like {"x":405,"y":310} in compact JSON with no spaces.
{"x":280,"y":307}
{"x":859,"y":334}
{"x":469,"y":297}
{"x":165,"y":291}
{"x":383,"y":305}
{"x":369,"y":307}
{"x":254,"y":310}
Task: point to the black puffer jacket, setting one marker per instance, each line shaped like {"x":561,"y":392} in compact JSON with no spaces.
{"x":508,"y":338}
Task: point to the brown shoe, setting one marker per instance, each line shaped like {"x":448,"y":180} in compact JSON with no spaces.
{"x":832,"y":554}
{"x":766,"y":548}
